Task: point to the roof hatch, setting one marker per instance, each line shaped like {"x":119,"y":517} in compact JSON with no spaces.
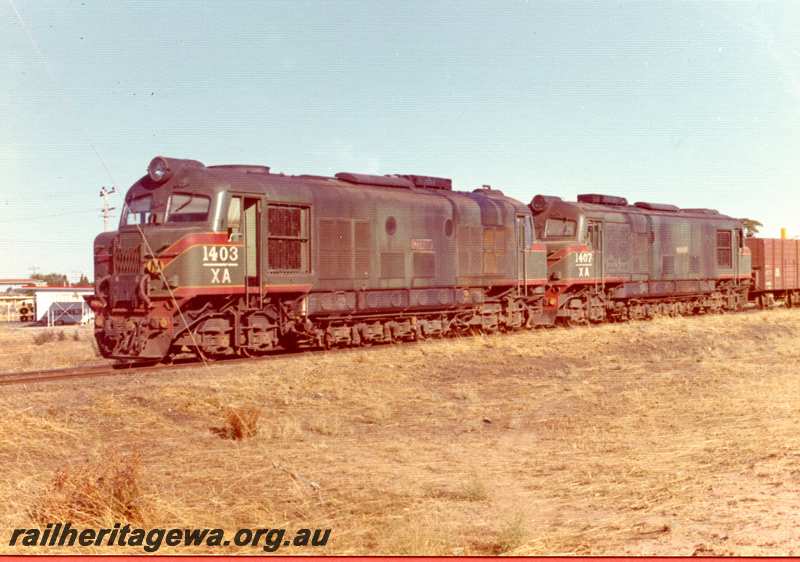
{"x":369,"y":179}
{"x":431,"y":182}
{"x":246,"y":168}
{"x":599,"y":199}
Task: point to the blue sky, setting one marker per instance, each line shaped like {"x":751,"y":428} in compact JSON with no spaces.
{"x":691,"y":104}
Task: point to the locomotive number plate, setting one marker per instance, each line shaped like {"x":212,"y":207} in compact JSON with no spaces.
{"x":584,"y":262}
{"x":219,"y":260}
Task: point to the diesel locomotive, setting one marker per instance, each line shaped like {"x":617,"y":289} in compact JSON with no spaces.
{"x":236,"y":260}
{"x":611,"y":260}
{"x":233,"y":259}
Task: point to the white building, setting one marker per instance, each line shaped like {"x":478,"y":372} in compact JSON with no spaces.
{"x":19,"y":283}
{"x":62,"y":305}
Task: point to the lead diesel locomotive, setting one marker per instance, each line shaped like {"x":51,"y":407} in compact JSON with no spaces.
{"x":236,"y":260}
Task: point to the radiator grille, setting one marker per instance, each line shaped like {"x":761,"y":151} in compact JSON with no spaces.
{"x":284,"y":254}
{"x":127,"y":260}
{"x":393,"y":265}
{"x":470,"y":253}
{"x":424,"y":265}
{"x":668,"y":265}
{"x":287,"y":243}
{"x":363,"y":243}
{"x":336,"y":249}
{"x":284,"y":221}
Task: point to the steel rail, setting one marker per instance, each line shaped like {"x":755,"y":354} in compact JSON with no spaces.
{"x":111,"y":369}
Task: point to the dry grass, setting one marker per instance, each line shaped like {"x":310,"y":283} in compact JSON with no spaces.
{"x":240,"y":423}
{"x":97,"y":493}
{"x":31,"y":348}
{"x":676,"y":436}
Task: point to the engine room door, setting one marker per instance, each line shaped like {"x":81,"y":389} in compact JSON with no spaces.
{"x":251,"y":219}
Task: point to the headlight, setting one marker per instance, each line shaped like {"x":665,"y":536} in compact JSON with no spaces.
{"x":159,"y":170}
{"x":539,"y":203}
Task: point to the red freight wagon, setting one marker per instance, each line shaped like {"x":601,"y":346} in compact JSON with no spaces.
{"x":775,"y":270}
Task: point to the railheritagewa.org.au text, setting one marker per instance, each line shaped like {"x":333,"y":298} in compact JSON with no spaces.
{"x":151,"y":540}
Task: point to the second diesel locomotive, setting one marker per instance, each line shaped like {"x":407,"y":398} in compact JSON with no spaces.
{"x":236,"y":260}
{"x":611,"y":260}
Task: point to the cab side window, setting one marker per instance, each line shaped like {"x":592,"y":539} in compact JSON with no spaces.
{"x":188,"y":207}
{"x":559,"y":228}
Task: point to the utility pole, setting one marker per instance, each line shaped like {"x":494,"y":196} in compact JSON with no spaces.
{"x":104,"y":193}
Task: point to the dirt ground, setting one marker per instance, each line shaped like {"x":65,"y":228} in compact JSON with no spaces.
{"x":675,"y":436}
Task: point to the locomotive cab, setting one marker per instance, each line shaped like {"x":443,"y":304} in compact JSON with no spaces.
{"x":557,"y":223}
{"x":571,"y":239}
{"x":167,"y":195}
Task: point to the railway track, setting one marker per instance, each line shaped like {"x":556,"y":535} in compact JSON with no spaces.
{"x":111,"y":369}
{"x":87,"y":371}
{"x":105,"y":370}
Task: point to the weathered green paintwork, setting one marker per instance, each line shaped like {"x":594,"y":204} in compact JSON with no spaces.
{"x":424,"y":250}
{"x":645,"y":253}
{"x":371,"y":245}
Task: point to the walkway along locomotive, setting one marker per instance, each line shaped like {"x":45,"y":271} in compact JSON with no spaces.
{"x":236,"y":260}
